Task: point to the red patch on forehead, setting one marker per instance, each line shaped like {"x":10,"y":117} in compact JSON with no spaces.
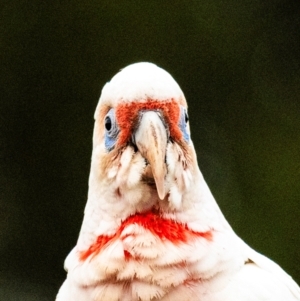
{"x":127,"y":116}
{"x":165,"y":229}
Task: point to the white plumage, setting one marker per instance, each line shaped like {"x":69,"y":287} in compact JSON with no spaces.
{"x":152,"y":229}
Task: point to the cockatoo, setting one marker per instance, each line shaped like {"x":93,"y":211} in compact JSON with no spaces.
{"x":152,"y":229}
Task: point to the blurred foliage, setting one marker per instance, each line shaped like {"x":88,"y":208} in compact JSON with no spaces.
{"x":239,"y":66}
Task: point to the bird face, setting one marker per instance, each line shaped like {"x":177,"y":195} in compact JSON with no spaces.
{"x":142,"y":137}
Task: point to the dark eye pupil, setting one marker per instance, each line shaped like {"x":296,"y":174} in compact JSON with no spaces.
{"x":186,"y":117}
{"x":107,"y":123}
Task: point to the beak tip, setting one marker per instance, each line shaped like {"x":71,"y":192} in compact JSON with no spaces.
{"x":161,"y":193}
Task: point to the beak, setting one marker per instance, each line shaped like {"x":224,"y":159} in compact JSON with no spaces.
{"x":151,"y":139}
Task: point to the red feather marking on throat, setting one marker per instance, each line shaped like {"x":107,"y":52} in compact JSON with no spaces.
{"x":127,"y":116}
{"x":165,"y":229}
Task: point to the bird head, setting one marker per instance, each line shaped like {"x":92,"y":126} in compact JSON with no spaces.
{"x":142,"y":111}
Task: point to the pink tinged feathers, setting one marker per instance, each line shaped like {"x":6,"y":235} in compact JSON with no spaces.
{"x":164,"y":229}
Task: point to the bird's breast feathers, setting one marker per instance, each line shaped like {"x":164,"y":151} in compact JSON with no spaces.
{"x":151,"y":258}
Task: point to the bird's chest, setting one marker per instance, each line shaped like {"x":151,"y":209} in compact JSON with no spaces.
{"x":147,"y":260}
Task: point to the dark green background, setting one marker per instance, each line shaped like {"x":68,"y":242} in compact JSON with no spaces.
{"x":238,"y":65}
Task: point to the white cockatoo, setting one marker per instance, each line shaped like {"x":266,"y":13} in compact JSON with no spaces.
{"x":152,"y":229}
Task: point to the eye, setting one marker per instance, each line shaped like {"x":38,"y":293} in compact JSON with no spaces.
{"x":111,"y":130}
{"x":107,"y":123}
{"x":184,"y":118}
